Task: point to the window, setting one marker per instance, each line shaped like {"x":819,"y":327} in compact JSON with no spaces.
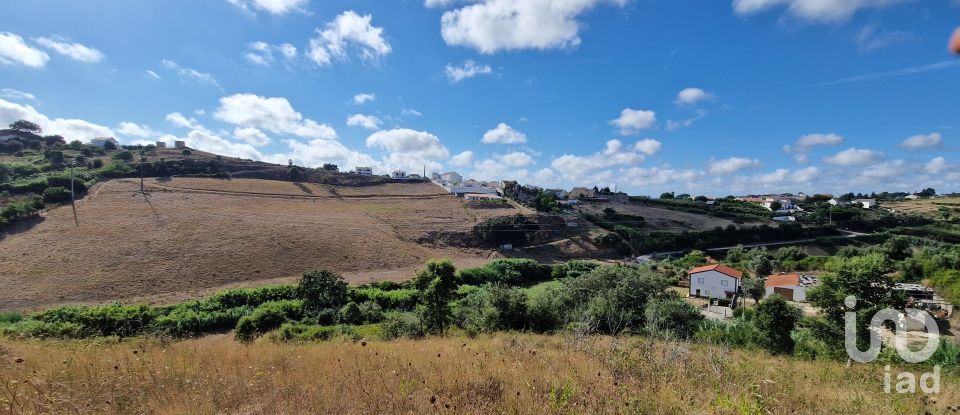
{"x":699,"y":280}
{"x":724,"y":283}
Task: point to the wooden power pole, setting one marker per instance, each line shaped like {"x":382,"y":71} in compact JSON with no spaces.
{"x":73,"y":199}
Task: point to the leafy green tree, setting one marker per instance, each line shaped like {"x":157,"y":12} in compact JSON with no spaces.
{"x":898,"y":247}
{"x":26,"y":126}
{"x":672,"y":316}
{"x":52,"y":140}
{"x":762,"y":266}
{"x":613,"y":298}
{"x":667,"y":195}
{"x":434,"y":308}
{"x":545,"y":202}
{"x":294,"y":172}
{"x":776,"y":319}
{"x":322,"y":290}
{"x":351,"y":313}
{"x":55,"y":156}
{"x":754,"y":287}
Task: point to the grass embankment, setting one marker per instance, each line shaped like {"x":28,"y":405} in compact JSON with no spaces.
{"x":502,"y":373}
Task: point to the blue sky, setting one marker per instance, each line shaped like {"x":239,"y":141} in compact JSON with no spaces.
{"x":707,"y":97}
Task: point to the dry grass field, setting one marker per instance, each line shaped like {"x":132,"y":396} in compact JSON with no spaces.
{"x":506,"y":373}
{"x":925,"y":207}
{"x":193,"y":236}
{"x":662,"y":219}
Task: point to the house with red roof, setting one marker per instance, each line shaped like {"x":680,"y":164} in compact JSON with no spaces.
{"x":715,"y":281}
{"x":792,"y":287}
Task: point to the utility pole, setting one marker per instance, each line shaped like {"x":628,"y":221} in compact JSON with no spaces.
{"x":141,"y":172}
{"x":73,"y":200}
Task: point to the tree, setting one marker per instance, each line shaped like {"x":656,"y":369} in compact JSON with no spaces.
{"x":55,"y":156}
{"x":322,"y":290}
{"x":544,"y":202}
{"x":330,"y":167}
{"x":186,"y":152}
{"x":124,"y":155}
{"x":667,"y":195}
{"x":52,"y":140}
{"x":432,"y":270}
{"x":26,"y":126}
{"x":701,"y":199}
{"x":761,"y":265}
{"x":776,"y":319}
{"x":109,"y":146}
{"x":754,"y":287}
{"x":776,"y":206}
{"x":928,"y":192}
{"x":898,"y":247}
{"x":294,"y":172}
{"x":672,"y":316}
{"x":434,"y":307}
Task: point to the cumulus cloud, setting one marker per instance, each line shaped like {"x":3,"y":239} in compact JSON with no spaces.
{"x":361,"y":99}
{"x":467,"y":70}
{"x":275,"y":7}
{"x":504,"y":134}
{"x":252,"y":136}
{"x":74,"y":51}
{"x":808,"y":142}
{"x":517,"y":159}
{"x":261,"y":53}
{"x":17,"y":94}
{"x":812,"y":11}
{"x":462,"y":159}
{"x":407,"y":141}
{"x":490,"y":26}
{"x":348,"y":31}
{"x":885,"y":169}
{"x":317,"y":152}
{"x":732,"y":165}
{"x":936,"y":165}
{"x":631,"y":121}
{"x":190,"y":73}
{"x":131,"y":129}
{"x":70,"y":129}
{"x":922,"y":141}
{"x":14,"y":51}
{"x":179,"y":120}
{"x":648,"y":146}
{"x":690,"y":96}
{"x":854,"y":157}
{"x":274,"y":114}
{"x":369,"y":122}
{"x":614,"y":154}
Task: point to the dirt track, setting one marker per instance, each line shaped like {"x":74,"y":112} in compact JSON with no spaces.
{"x":194,"y":236}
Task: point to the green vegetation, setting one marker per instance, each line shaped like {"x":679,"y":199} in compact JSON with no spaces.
{"x":516,"y":230}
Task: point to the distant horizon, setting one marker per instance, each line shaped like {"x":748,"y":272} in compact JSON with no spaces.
{"x":728,"y":98}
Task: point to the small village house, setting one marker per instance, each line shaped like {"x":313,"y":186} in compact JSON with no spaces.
{"x":179,"y":144}
{"x":866,"y":203}
{"x":398,"y":175}
{"x":715,"y":281}
{"x":451,"y":177}
{"x":161,"y":144}
{"x":792,"y":287}
{"x":102,"y":141}
{"x":363,"y":171}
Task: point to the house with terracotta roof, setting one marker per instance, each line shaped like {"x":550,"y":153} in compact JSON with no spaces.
{"x":792,"y":287}
{"x":715,"y":281}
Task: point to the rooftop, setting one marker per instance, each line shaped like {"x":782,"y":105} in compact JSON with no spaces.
{"x":723,"y":269}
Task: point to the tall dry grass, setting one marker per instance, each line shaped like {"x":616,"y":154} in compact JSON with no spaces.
{"x":504,"y":373}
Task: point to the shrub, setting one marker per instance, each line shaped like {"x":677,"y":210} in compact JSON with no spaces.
{"x":672,"y":317}
{"x":56,"y":195}
{"x":517,"y":230}
{"x":493,"y":308}
{"x":511,"y":272}
{"x":400,"y":299}
{"x":402,"y":325}
{"x":267,"y":317}
{"x":548,"y":309}
{"x":299,"y":332}
{"x":351,"y":314}
{"x":573,"y":269}
{"x":371,"y":312}
{"x":776,"y":320}
{"x":322,"y":290}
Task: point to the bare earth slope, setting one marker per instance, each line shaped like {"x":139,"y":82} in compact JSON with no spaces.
{"x":193,"y":236}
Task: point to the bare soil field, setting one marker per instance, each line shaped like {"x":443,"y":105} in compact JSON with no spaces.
{"x":192,"y":236}
{"x":660,"y":219}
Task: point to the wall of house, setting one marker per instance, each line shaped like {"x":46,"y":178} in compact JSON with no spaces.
{"x":799,"y":293}
{"x":712,"y":285}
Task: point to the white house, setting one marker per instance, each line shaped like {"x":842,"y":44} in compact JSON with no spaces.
{"x":558,"y":193}
{"x":363,"y":171}
{"x":792,"y":287}
{"x":911,"y":197}
{"x":866,"y":203}
{"x":102,"y":141}
{"x":715,"y":281}
{"x":398,"y":175}
{"x":451,"y":177}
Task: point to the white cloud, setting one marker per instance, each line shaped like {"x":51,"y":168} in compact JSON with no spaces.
{"x":438,"y":3}
{"x":808,"y":141}
{"x":504,"y":134}
{"x":813,"y":11}
{"x":517,"y":159}
{"x":276,"y":7}
{"x":690,"y":96}
{"x":631,"y":121}
{"x":936,"y":165}
{"x":490,"y":26}
{"x":208,"y":141}
{"x":275,"y":115}
{"x":151,"y":74}
{"x":575,"y":167}
{"x":462,"y":159}
{"x":348,"y":30}
{"x":177,"y":119}
{"x":17,"y":94}
{"x":261,"y":53}
{"x":74,"y":51}
{"x":369,"y":122}
{"x":648,"y":146}
{"x":871,"y":38}
{"x":252,"y":136}
{"x":14,"y":51}
{"x":854,"y":157}
{"x":130,"y":129}
{"x":410,"y":112}
{"x":732,"y":165}
{"x":191,"y":74}
{"x":467,"y":70}
{"x":70,"y":129}
{"x":317,"y":152}
{"x":407,"y":141}
{"x":361,"y":99}
{"x":885,"y":169}
{"x":922,"y":141}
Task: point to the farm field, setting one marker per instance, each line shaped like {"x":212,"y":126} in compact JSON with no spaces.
{"x":661,"y":219}
{"x":925,"y":207}
{"x":502,"y":373}
{"x":193,"y":236}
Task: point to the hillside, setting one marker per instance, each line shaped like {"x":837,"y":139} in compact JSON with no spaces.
{"x":191,"y":236}
{"x":503,"y":373}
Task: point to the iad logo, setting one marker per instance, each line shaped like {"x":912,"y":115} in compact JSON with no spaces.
{"x":906,"y":381}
